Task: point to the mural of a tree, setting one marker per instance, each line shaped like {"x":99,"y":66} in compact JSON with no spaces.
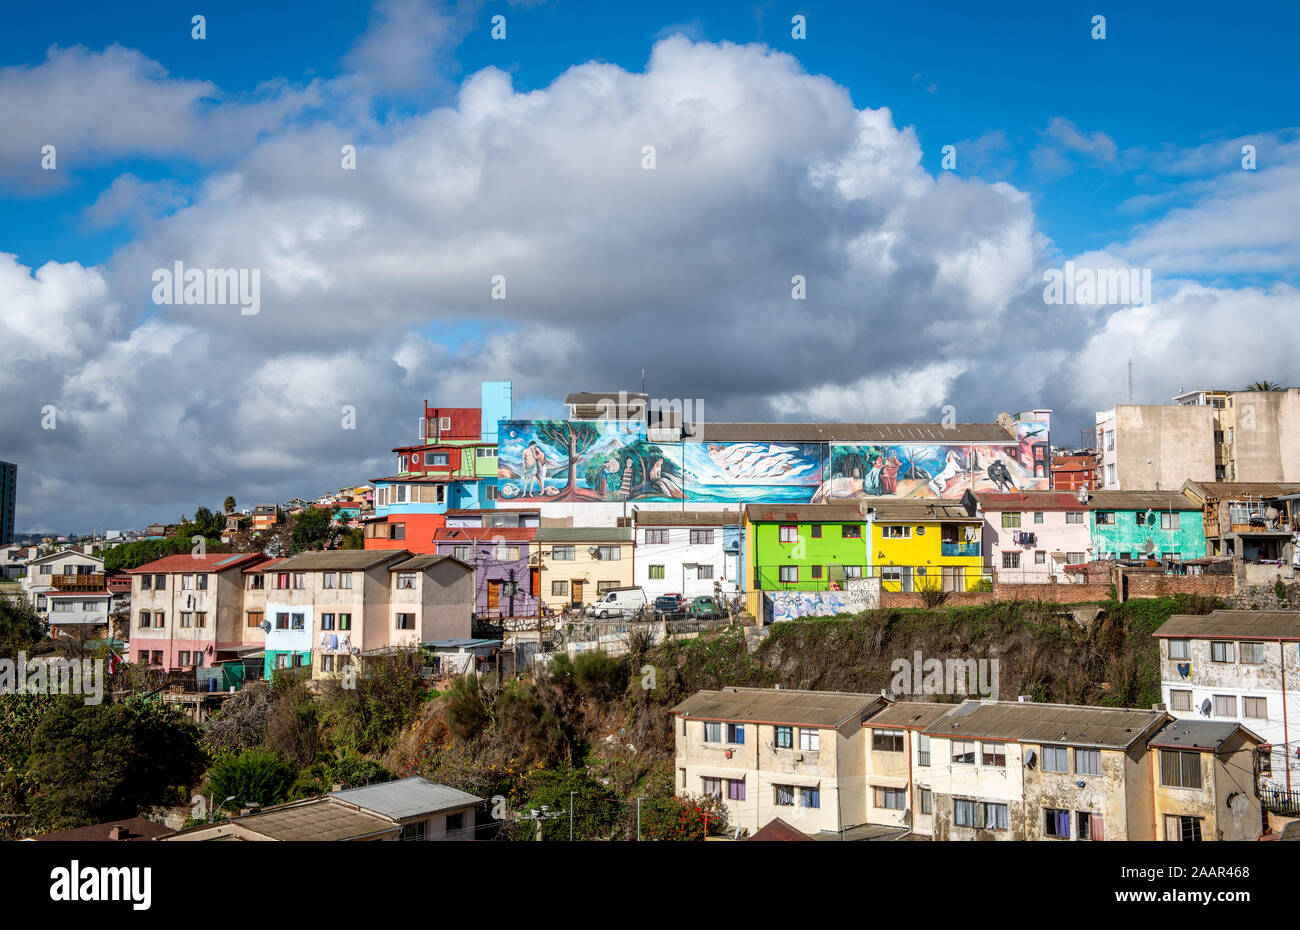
{"x":574,"y":436}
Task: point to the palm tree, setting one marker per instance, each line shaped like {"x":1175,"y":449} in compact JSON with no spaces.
{"x":1263,"y":386}
{"x":229,"y":504}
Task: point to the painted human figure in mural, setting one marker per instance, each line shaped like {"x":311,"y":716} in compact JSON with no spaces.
{"x":608,"y":473}
{"x":534,"y":462}
{"x":951,"y":469}
{"x":871,"y":483}
{"x":889,"y":475}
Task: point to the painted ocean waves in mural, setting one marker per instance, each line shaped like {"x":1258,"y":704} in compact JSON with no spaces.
{"x":756,"y":472}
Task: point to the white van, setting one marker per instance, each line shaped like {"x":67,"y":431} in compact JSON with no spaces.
{"x":620,"y":602}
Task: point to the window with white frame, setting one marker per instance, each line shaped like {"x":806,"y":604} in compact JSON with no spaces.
{"x":1056,"y":759}
{"x":1180,"y":648}
{"x":701,"y":537}
{"x":1225,"y":705}
{"x":890,"y":799}
{"x":656,"y":537}
{"x":1180,"y":700}
{"x":712,"y":731}
{"x":809,"y":739}
{"x":1254,"y":708}
{"x":1252,"y":653}
{"x":1087,"y":761}
{"x":789,"y":534}
{"x":963,"y":752}
{"x":1221,"y":652}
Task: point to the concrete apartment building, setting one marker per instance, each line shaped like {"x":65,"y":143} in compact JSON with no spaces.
{"x":64,"y":570}
{"x":1238,"y":666}
{"x":767,"y":753}
{"x":688,"y":552}
{"x":1206,"y":435}
{"x":187,"y":610}
{"x":432,"y":598}
{"x":8,"y":501}
{"x":1205,"y":786}
{"x":578,"y":564}
{"x":1031,"y":536}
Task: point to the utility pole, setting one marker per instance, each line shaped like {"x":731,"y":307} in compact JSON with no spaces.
{"x":571,"y":816}
{"x":638,"y":820}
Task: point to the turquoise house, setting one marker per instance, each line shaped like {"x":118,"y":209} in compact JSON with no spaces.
{"x":1145,"y":524}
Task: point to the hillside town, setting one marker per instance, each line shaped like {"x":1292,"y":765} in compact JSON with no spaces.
{"x":593,"y":554}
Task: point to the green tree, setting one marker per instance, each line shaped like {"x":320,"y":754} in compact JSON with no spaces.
{"x":595,"y":808}
{"x":255,"y":775}
{"x":311,"y":530}
{"x":95,"y":762}
{"x":228,"y":505}
{"x":21,"y":627}
{"x":1263,"y":386}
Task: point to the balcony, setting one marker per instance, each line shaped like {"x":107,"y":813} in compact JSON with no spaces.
{"x":88,"y":582}
{"x":959,"y":549}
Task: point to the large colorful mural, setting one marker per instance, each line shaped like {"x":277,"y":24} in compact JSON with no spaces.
{"x":585,"y":460}
{"x":941,"y":470}
{"x":751,"y":471}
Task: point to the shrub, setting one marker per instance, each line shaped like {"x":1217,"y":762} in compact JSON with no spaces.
{"x":256,"y":775}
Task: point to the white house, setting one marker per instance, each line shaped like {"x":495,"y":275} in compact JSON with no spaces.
{"x":68,"y":570}
{"x":687,"y":553}
{"x":1242,"y":666}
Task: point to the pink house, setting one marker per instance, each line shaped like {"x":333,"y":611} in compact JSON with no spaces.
{"x":187,"y":610}
{"x":1030,"y":536}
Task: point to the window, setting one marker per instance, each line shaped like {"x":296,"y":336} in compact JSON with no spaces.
{"x":559,"y":589}
{"x":789,"y":534}
{"x":1074,"y":558}
{"x":144,"y":619}
{"x":784,"y":795}
{"x":1254,"y":708}
{"x":1221,"y":652}
{"x":712,"y":731}
{"x":886,"y":740}
{"x":345,"y":580}
{"x":703,"y":572}
{"x":184,"y":658}
{"x":1056,"y":759}
{"x":1089,"y":826}
{"x":282,"y":621}
{"x":282,"y":581}
{"x":1180,"y":649}
{"x":1169,"y":521}
{"x":656,"y":537}
{"x":1105,"y":517}
{"x":850,"y":531}
{"x":399,"y":530}
{"x":1225,"y":705}
{"x":156,"y":657}
{"x":816,"y":571}
{"x":927,"y":801}
{"x":255,"y":618}
{"x":896,"y":532}
{"x":160,"y":582}
{"x":711,"y":787}
{"x":1180,"y":700}
{"x":788,"y":573}
{"x":1180,"y":829}
{"x":701,"y":537}
{"x":507,"y":554}
{"x":187,"y":582}
{"x":1180,"y":769}
{"x":187,"y":619}
{"x":890,"y":799}
{"x":1218,"y":437}
{"x":1252,"y":653}
{"x":1010,"y":520}
{"x":1011,"y":560}
{"x":1038,"y":516}
{"x":923,"y":750}
{"x":146,"y":581}
{"x":1040,"y":557}
{"x":816,"y":530}
{"x":609,"y":553}
{"x":489,"y":492}
{"x":966,"y":813}
{"x":993,"y":754}
{"x":810,"y":798}
{"x":784,"y":737}
{"x":200,"y":620}
{"x":345,"y":621}
{"x":656,"y":573}
{"x":852,"y":571}
{"x":1074,"y":516}
{"x":436,"y":458}
{"x":604,"y":587}
{"x":406,"y":621}
{"x":299,"y":581}
{"x":809,"y":739}
{"x":995,"y":816}
{"x":735,"y":789}
{"x":963,"y":752}
{"x":1087,"y":761}
{"x":201,"y":581}
{"x":159,"y":620}
{"x":562,"y":553}
{"x":736,"y":734}
{"x":405,"y":581}
{"x":327,"y":621}
{"x":900,"y":574}
{"x":485,"y":452}
{"x":329,"y":580}
{"x":297,"y":621}
{"x":256,"y":582}
{"x":1056,"y":823}
{"x":460,"y":552}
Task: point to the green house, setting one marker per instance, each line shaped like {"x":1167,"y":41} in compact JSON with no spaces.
{"x":808,"y":547}
{"x":1138,"y":525}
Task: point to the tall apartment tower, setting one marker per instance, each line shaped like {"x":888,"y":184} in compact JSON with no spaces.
{"x":8,"y":500}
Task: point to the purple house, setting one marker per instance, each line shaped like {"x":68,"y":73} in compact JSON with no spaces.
{"x":505,"y":584}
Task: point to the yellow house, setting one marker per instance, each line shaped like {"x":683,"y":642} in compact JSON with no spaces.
{"x":580,"y":563}
{"x":920,"y":543}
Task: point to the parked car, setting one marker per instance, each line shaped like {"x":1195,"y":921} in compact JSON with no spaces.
{"x":620,"y":602}
{"x":704,"y":607}
{"x":670,"y":606}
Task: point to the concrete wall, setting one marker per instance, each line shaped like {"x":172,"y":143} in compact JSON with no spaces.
{"x":1266,"y":435}
{"x":680,"y":559}
{"x":1177,"y":440}
{"x":589,"y":570}
{"x":1054,"y":534}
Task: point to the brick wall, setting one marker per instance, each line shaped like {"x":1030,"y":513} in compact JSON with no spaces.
{"x":1144,"y":584}
{"x":1055,"y":593}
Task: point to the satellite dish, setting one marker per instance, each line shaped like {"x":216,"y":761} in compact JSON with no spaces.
{"x":1206,"y":707}
{"x":266,"y":626}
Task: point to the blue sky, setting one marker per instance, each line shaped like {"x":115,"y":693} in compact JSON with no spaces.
{"x":477,"y":157}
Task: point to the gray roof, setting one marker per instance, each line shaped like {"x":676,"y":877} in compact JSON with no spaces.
{"x":928,"y":433}
{"x":561,"y":534}
{"x":1069,"y":724}
{"x":771,"y":705}
{"x":1196,"y":734}
{"x":344,"y":560}
{"x":917,"y":510}
{"x":910,"y":714}
{"x":688,"y":517}
{"x":409,"y":797}
{"x":1224,"y":490}
{"x":804,"y":513}
{"x":1233,"y":624}
{"x":1140,"y":500}
{"x":420,"y":562}
{"x":460,"y":643}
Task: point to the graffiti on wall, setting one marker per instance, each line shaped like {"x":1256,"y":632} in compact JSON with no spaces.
{"x":859,"y":595}
{"x":751,"y":471}
{"x":945,"y":470}
{"x":585,"y":460}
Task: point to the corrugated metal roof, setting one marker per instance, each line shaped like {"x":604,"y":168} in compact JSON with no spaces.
{"x":917,"y":510}
{"x":893,"y":433}
{"x":421,"y":562}
{"x":1069,"y":724}
{"x":614,"y":534}
{"x":1140,"y":500}
{"x":804,"y":513}
{"x":1233,"y":624}
{"x":918,"y":714}
{"x":769,"y":705}
{"x":1195,"y":734}
{"x":409,"y":797}
{"x":688,"y":517}
{"x":1221,"y":490}
{"x":1028,"y":500}
{"x":344,"y":560}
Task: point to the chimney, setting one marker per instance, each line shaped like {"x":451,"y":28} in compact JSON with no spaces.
{"x":1158,"y":707}
{"x":338,"y":786}
{"x":117,"y":833}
